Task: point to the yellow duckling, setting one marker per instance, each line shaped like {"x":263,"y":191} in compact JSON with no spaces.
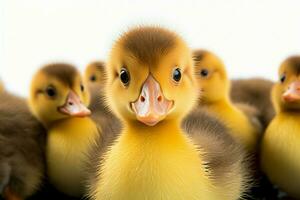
{"x":151,"y":87}
{"x":95,"y":73}
{"x":215,"y":86}
{"x":281,"y":143}
{"x":255,"y":92}
{"x":59,"y":100}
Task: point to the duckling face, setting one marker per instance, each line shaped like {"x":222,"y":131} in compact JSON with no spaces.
{"x":286,"y":92}
{"x":58,"y":92}
{"x":95,"y":74}
{"x":150,"y":76}
{"x":211,"y":76}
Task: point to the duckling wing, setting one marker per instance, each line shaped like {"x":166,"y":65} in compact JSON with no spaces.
{"x":226,"y":161}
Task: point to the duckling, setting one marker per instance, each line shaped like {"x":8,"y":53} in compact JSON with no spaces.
{"x":22,"y":153}
{"x":59,"y":99}
{"x":95,"y":73}
{"x":281,"y":142}
{"x":151,"y":87}
{"x":255,"y":92}
{"x":215,"y":86}
{"x":95,"y":77}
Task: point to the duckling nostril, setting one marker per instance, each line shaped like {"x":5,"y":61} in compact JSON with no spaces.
{"x":159,"y":98}
{"x":142,"y":99}
{"x":70,"y":103}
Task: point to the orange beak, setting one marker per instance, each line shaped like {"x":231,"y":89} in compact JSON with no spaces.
{"x":292,"y":94}
{"x":151,"y":107}
{"x":74,"y":107}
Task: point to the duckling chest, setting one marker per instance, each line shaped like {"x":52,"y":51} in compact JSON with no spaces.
{"x":280,"y":152}
{"x":67,"y":148}
{"x":153,"y":168}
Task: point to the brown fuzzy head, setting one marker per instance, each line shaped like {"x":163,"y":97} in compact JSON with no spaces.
{"x":286,"y":92}
{"x":58,"y":92}
{"x":211,"y":76}
{"x":95,"y":74}
{"x":150,"y":76}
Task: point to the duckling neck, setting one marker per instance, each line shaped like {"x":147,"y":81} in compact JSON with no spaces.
{"x":137,"y":128}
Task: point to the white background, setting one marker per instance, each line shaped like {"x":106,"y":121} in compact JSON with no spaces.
{"x":251,"y":36}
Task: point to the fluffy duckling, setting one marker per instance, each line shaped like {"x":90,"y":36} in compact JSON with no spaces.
{"x":95,"y":77}
{"x":215,"y":86}
{"x":281,"y":143}
{"x":59,"y":99}
{"x":151,"y":87}
{"x":255,"y":92}
{"x":95,"y":73}
{"x":22,"y":142}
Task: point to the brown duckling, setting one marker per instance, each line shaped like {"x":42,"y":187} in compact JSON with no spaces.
{"x":255,"y":92}
{"x":22,"y":143}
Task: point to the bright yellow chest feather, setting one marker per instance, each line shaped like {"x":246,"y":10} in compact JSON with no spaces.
{"x":238,"y":123}
{"x":281,"y":153}
{"x":67,"y":147}
{"x":154,"y":165}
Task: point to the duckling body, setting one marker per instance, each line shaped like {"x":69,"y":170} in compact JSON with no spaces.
{"x":157,"y":170}
{"x":279,"y":152}
{"x":256,"y":92}
{"x":69,"y":142}
{"x":22,"y":149}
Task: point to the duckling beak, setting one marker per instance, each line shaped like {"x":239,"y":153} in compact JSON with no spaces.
{"x":74,"y":107}
{"x":151,"y":107}
{"x":292,"y":94}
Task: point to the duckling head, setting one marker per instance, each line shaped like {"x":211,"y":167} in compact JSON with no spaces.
{"x":286,"y":92}
{"x":211,"y":76}
{"x":150,"y":76}
{"x":58,"y":92}
{"x":95,"y":74}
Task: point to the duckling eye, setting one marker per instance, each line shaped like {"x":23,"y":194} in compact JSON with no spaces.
{"x":204,"y":72}
{"x":124,"y":76}
{"x":282,"y":78}
{"x":51,"y":91}
{"x":93,"y":78}
{"x":81,"y":88}
{"x":176,"y":75}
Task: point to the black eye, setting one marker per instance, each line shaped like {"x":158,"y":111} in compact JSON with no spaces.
{"x":51,"y":91}
{"x":176,"y":75}
{"x":93,"y":78}
{"x":282,"y":78}
{"x":204,"y":72}
{"x":81,"y":88}
{"x":124,"y":76}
